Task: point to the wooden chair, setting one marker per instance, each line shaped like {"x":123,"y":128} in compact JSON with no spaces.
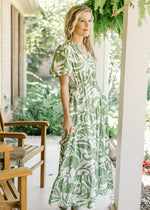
{"x":31,"y":150}
{"x":10,"y":198}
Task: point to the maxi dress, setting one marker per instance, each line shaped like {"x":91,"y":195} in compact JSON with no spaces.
{"x":85,"y":169}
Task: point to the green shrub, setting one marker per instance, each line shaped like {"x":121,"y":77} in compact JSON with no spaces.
{"x":148,"y":112}
{"x":43,"y":103}
{"x":113,"y":126}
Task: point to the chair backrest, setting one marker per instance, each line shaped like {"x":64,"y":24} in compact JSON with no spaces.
{"x":2,"y":128}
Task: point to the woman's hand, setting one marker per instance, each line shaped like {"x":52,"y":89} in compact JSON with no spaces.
{"x":67,"y":126}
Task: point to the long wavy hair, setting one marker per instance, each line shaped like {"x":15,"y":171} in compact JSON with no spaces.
{"x":71,"y":20}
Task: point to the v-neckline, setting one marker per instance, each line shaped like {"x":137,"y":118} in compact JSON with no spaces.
{"x":80,"y":49}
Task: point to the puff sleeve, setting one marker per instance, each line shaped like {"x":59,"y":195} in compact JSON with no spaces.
{"x":62,"y":62}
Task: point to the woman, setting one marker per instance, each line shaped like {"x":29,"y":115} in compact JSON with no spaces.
{"x":84,"y":165}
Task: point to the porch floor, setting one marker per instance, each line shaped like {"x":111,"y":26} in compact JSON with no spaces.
{"x":38,"y":197}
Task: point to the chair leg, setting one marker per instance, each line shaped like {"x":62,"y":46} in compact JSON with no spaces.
{"x":23,"y":193}
{"x":42,"y":175}
{"x":43,"y":142}
{"x":19,"y":184}
{"x":19,"y":179}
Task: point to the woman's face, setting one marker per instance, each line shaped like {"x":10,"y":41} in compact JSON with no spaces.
{"x":83,"y":25}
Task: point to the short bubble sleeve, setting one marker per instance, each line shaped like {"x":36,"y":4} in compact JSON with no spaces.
{"x":62,"y":61}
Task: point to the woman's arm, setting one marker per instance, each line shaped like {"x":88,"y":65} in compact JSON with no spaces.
{"x":64,"y":90}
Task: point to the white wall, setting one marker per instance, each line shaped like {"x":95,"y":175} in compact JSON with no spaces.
{"x":5,"y":54}
{"x":102,"y":55}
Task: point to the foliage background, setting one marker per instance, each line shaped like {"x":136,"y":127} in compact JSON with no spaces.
{"x":43,"y":96}
{"x":103,"y":18}
{"x":44,"y":36}
{"x":42,"y":103}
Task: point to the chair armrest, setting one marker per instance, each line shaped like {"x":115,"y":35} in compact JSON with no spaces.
{"x":19,"y":136}
{"x":23,"y":123}
{"x":15,"y":172}
{"x":5,"y":147}
{"x":13,"y":135}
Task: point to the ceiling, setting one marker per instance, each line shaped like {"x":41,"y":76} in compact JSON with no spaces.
{"x":28,"y":8}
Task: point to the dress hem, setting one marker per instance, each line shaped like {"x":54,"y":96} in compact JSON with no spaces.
{"x":86,"y":206}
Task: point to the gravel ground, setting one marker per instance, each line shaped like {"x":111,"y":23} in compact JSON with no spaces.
{"x":145,"y":193}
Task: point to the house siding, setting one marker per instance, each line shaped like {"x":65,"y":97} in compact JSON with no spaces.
{"x":11,"y":68}
{"x":5,"y":55}
{"x":12,"y":52}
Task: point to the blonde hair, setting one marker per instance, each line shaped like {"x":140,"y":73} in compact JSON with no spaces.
{"x":71,"y":20}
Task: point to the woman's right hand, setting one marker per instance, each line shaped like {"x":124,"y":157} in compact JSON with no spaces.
{"x":67,"y":126}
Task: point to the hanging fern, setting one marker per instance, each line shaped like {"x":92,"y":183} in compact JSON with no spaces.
{"x":103,"y":19}
{"x":99,"y":4}
{"x":108,"y":15}
{"x":115,"y":3}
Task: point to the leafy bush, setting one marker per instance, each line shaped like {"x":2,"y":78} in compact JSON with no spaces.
{"x":44,"y":36}
{"x":148,"y":112}
{"x":42,"y":103}
{"x":113,"y":122}
{"x":148,"y":87}
{"x":115,"y":44}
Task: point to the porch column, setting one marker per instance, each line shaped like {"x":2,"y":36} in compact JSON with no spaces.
{"x":22,"y":57}
{"x":102,"y":55}
{"x":132,"y":109}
